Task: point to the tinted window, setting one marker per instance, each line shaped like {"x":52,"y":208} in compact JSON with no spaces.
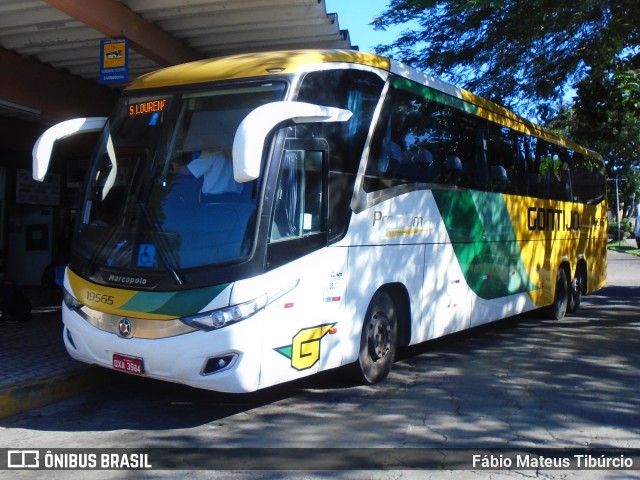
{"x":358,"y":92}
{"x":420,"y":140}
{"x":426,"y":136}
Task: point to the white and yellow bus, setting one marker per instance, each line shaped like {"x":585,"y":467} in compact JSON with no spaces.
{"x":254,"y":219}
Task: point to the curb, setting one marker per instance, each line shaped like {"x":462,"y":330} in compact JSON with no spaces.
{"x":45,"y":390}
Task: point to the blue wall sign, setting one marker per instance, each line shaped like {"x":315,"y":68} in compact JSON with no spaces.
{"x":114,"y":61}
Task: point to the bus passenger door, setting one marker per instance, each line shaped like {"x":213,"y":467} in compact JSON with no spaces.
{"x":298,"y":330}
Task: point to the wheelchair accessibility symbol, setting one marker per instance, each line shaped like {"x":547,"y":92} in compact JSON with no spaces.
{"x":146,"y":255}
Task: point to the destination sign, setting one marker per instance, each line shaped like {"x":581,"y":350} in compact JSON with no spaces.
{"x":147,"y":107}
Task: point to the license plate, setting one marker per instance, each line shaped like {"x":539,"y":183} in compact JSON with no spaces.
{"x":128,"y":364}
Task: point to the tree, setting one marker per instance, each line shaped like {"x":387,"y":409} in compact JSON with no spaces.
{"x":606,"y":117}
{"x":524,"y":53}
{"x":528,"y":55}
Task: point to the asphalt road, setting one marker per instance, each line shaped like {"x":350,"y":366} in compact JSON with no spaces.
{"x":519,"y":383}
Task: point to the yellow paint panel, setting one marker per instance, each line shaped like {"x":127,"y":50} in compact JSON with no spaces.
{"x":500,"y":115}
{"x":253,"y":65}
{"x":551,"y":232}
{"x":107,"y":299}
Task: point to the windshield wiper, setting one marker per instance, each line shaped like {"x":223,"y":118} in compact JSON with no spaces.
{"x":157,"y":235}
{"x":106,"y":240}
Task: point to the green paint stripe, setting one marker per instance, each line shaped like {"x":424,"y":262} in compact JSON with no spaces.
{"x":434,"y":95}
{"x":502,"y":241}
{"x":176,"y":304}
{"x":484,"y":241}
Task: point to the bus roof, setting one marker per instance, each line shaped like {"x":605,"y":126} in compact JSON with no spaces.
{"x":252,"y":65}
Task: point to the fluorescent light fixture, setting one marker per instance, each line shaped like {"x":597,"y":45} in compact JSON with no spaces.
{"x":18,"y":108}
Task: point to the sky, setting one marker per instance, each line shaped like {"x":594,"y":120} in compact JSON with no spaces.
{"x":356,"y":15}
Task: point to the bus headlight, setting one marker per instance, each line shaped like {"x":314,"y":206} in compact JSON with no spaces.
{"x":226,"y":316}
{"x":70,"y":301}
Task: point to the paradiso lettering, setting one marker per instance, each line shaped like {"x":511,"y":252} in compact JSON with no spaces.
{"x":551,"y":219}
{"x":147,"y":107}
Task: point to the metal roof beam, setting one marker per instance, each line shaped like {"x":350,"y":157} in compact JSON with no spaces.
{"x":48,"y":93}
{"x":113,"y":19}
{"x":259,"y":17}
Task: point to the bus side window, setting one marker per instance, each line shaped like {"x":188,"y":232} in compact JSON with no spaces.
{"x":587,"y":173}
{"x":358,"y":92}
{"x":534,"y":180}
{"x":460,"y":136}
{"x":521,"y":165}
{"x":402,"y":148}
{"x":562,"y":180}
{"x":554,"y":168}
{"x":481,"y":154}
{"x":353,"y":90}
{"x":503,"y":165}
{"x":298,"y":209}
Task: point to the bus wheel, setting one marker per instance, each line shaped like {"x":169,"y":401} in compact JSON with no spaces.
{"x":378,"y":339}
{"x":578,"y":289}
{"x":561,"y":301}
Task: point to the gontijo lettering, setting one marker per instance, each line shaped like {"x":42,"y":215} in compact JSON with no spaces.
{"x":147,"y":107}
{"x":549,"y":219}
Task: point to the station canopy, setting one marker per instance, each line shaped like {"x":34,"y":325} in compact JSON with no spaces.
{"x":54,"y":39}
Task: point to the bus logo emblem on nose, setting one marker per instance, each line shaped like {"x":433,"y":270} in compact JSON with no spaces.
{"x":124,"y":328}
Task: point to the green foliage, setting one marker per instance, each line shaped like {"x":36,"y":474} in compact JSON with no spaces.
{"x":527,"y":55}
{"x":523,"y":53}
{"x":607,"y":113}
{"x":626,"y":229}
{"x":624,"y":248}
{"x":606,"y":117}
{"x":548,"y":165}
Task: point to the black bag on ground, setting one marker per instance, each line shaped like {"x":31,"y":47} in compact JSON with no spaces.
{"x":16,"y":306}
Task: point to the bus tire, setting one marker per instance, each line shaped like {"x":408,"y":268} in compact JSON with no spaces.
{"x":378,"y":340}
{"x":558,"y":308}
{"x":578,"y":289}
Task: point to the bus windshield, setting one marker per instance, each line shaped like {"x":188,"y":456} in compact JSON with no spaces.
{"x":161,"y":193}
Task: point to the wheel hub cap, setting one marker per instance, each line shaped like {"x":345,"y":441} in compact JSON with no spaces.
{"x":379,"y":337}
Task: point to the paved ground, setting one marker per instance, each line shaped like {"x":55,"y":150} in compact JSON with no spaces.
{"x":36,"y":369}
{"x":33,"y":348}
{"x":34,"y":365}
{"x":527,"y":383}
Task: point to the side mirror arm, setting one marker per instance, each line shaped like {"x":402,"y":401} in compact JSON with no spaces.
{"x":248,"y":143}
{"x":44,"y":145}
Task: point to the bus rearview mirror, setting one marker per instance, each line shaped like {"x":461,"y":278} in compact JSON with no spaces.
{"x":44,"y":145}
{"x":249,"y":140}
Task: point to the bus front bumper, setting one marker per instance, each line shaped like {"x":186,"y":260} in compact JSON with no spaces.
{"x":225,"y":360}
